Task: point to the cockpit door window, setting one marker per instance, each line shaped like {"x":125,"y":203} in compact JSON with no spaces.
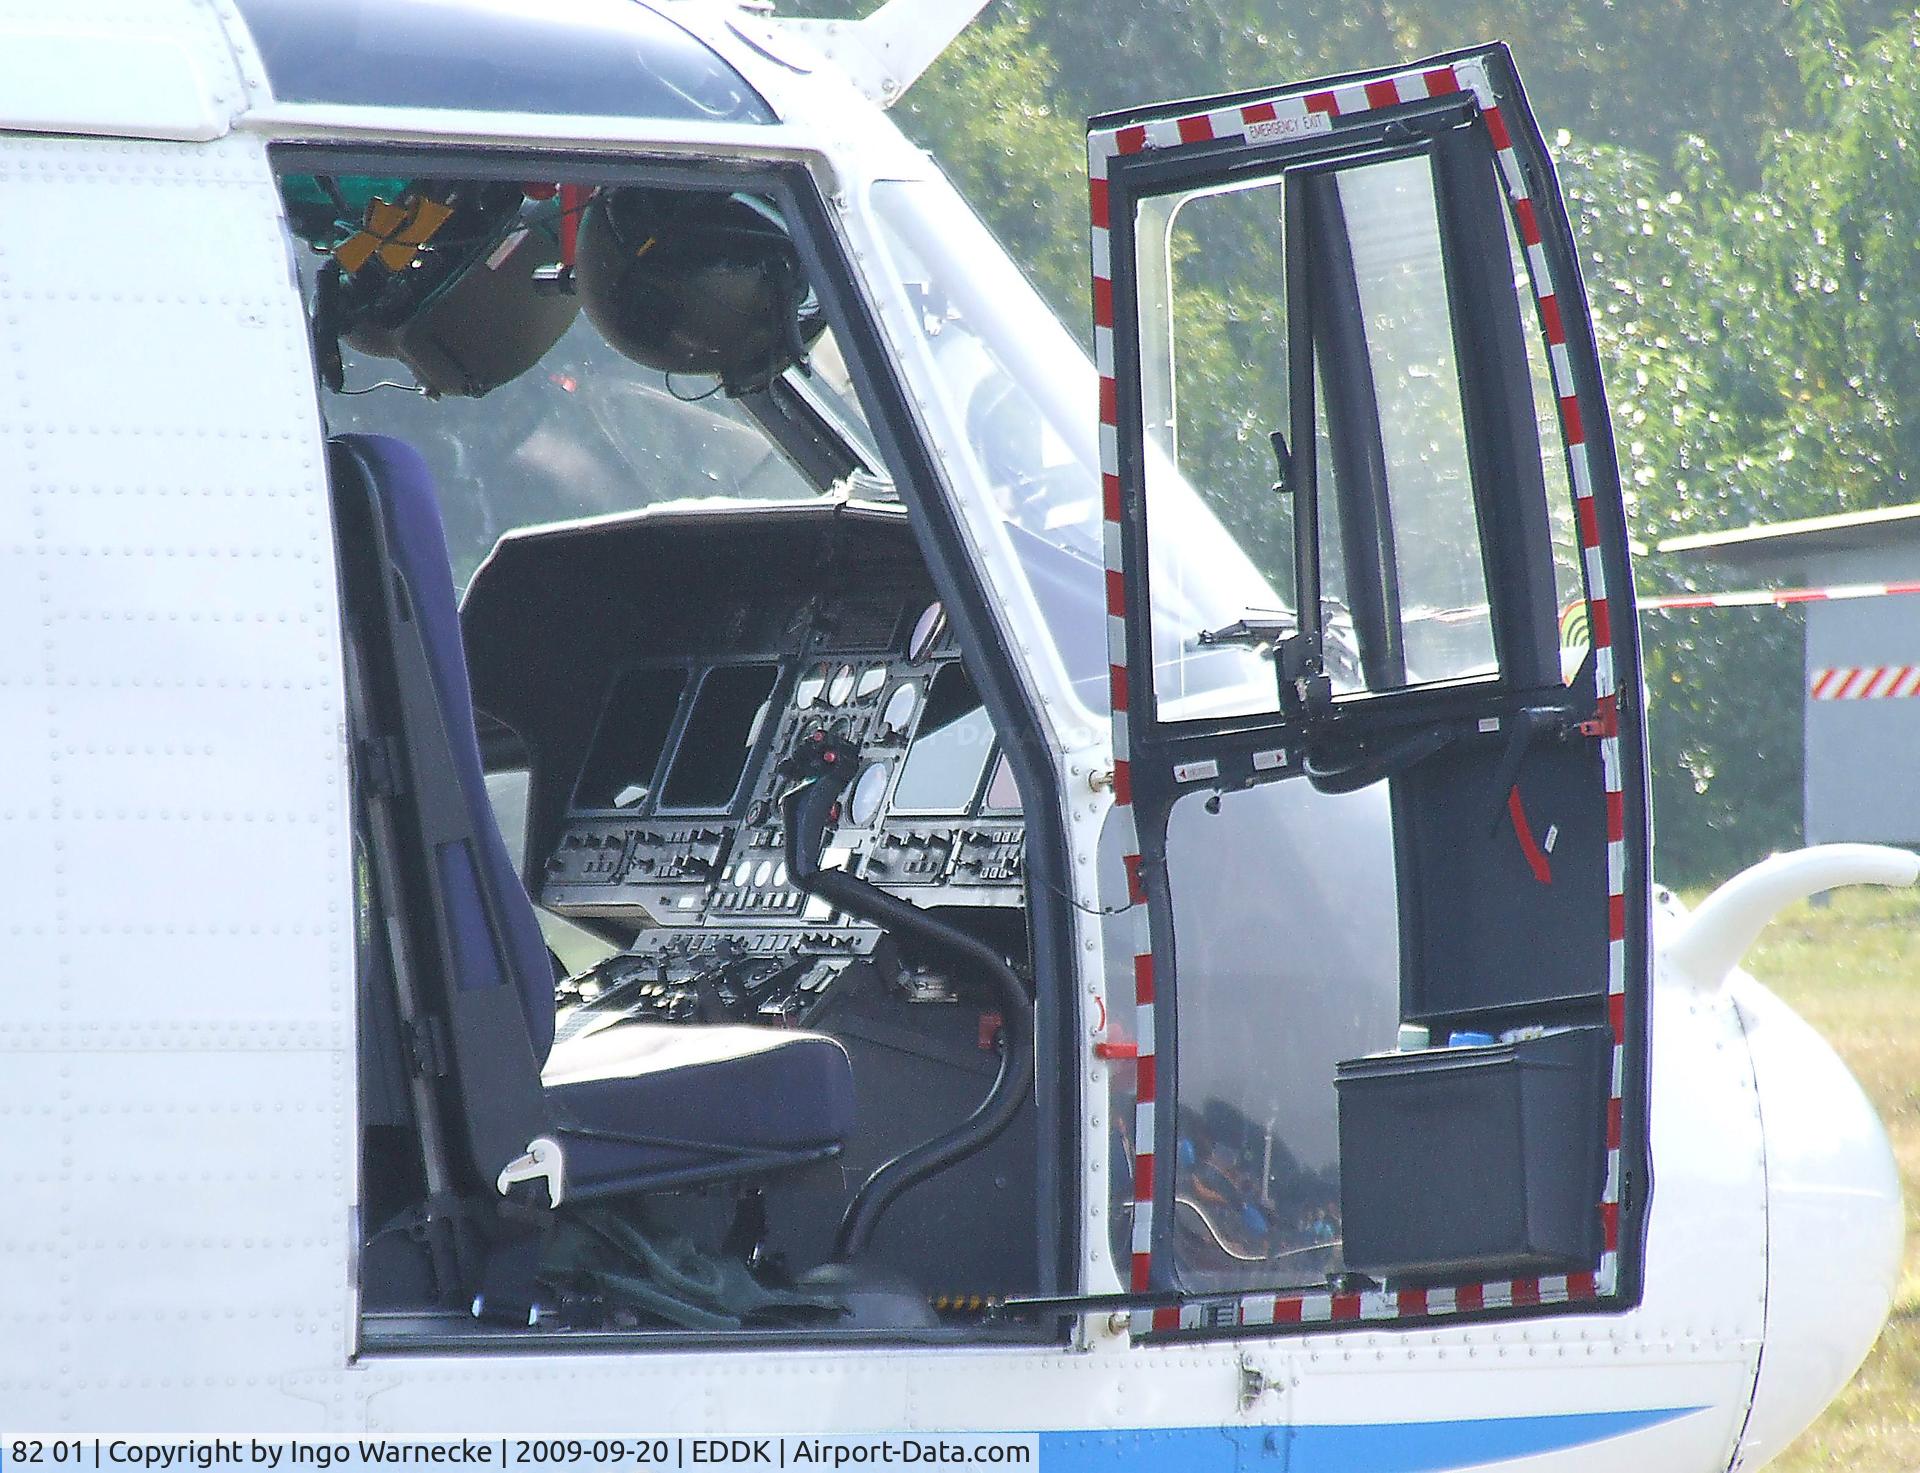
{"x":1347,"y":317}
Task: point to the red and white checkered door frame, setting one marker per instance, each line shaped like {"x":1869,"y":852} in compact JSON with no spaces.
{"x":1301,"y":115}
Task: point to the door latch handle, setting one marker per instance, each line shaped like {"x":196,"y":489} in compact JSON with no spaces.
{"x":1530,"y":723}
{"x":1305,"y":687}
{"x":1605,"y":721}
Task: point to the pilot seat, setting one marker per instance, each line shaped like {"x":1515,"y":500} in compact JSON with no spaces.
{"x":636,"y":1107}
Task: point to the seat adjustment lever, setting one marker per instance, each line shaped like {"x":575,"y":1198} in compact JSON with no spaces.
{"x":543,"y":1161}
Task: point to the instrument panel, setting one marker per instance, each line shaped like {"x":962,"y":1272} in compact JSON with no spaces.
{"x":674,"y":828}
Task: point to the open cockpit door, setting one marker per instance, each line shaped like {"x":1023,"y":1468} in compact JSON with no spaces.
{"x":1365,"y":550}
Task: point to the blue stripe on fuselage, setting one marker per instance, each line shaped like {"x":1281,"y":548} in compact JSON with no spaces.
{"x":1376,"y":1447}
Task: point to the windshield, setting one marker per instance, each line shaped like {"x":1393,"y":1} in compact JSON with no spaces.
{"x":1021,"y":395}
{"x":587,"y":432}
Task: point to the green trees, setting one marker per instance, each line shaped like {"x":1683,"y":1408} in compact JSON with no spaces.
{"x":1745,"y":182}
{"x":1762,"y":344}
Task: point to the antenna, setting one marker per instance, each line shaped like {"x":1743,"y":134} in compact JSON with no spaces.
{"x":885,"y":53}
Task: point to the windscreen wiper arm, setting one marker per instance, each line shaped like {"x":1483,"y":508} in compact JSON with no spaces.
{"x":1251,"y":631}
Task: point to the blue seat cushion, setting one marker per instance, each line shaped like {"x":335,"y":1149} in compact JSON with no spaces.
{"x":640,"y":1104}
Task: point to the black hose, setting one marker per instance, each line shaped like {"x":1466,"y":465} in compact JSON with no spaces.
{"x":1370,"y":767}
{"x":806,"y":811}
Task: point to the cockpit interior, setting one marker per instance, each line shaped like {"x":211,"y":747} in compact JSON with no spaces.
{"x":696,"y":979}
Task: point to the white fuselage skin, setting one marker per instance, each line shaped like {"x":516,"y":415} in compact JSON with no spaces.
{"x":175,"y":852}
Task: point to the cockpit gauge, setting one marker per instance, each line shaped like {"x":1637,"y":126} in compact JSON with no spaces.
{"x":871,"y":679}
{"x":927,"y":628}
{"x":869,"y":790}
{"x":841,"y":689}
{"x":897,"y":715}
{"x":811,"y":687}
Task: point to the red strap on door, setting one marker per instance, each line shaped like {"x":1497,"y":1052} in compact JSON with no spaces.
{"x":1523,"y":831}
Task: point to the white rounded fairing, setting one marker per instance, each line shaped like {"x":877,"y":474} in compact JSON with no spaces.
{"x":1835,"y":1222}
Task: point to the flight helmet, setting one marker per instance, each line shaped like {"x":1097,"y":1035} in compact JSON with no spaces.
{"x":697,"y":283}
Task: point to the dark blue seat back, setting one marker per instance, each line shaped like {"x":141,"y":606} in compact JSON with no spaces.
{"x":481,"y":879}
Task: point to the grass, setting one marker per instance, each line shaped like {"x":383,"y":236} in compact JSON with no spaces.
{"x":1852,"y":969}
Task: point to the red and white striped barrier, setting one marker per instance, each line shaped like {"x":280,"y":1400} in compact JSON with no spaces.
{"x":1754,"y":598}
{"x":1863,"y":682}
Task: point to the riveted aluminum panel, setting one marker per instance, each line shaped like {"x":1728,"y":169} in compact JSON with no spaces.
{"x":174,"y":851}
{"x":125,"y":68}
